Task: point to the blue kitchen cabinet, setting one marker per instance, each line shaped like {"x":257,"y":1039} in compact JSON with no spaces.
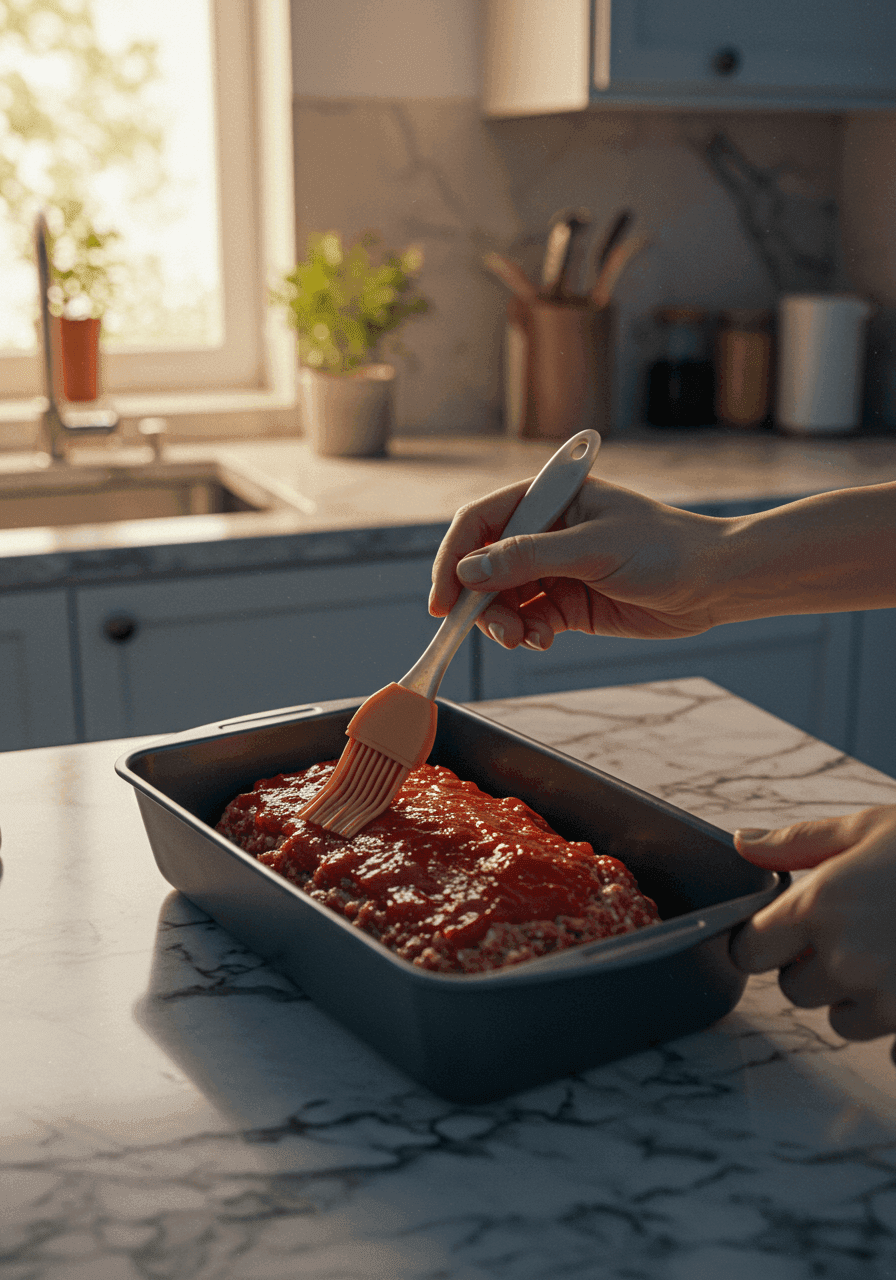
{"x":833,"y":675}
{"x":564,"y":55}
{"x":161,"y":656}
{"x":797,"y":668}
{"x":874,"y":739}
{"x":37,"y":703}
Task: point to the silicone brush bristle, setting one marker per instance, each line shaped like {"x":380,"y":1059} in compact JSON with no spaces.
{"x":367,"y":786}
{"x":389,"y":735}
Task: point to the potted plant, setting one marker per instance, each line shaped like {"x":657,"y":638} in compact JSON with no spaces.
{"x":82,"y":267}
{"x":342,"y":302}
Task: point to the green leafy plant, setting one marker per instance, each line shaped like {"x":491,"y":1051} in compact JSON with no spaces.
{"x":82,"y":262}
{"x":341,"y":302}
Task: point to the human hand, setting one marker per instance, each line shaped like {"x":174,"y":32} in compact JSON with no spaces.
{"x":616,"y":563}
{"x":832,"y":934}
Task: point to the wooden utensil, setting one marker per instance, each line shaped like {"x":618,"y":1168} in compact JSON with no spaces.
{"x":616,"y":262}
{"x":511,"y":274}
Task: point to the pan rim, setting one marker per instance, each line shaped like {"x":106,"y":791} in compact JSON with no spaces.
{"x":651,"y":943}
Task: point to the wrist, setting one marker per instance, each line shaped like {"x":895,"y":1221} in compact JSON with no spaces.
{"x":728,"y":570}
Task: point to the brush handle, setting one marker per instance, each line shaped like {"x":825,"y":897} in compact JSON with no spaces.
{"x":547,"y":497}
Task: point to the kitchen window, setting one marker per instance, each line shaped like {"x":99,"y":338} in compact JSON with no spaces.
{"x":186,"y":104}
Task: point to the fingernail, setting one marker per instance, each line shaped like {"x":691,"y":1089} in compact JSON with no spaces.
{"x":533,"y":641}
{"x":475,"y":569}
{"x":496,"y":631}
{"x":432,"y":596}
{"x":752,"y":833}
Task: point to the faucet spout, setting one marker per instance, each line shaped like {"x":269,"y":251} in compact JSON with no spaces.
{"x":59,"y":426}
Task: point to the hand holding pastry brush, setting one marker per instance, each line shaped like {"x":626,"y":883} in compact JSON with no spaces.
{"x":394,"y":730}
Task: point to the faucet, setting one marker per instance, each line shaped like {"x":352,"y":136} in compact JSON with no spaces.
{"x":60,"y":426}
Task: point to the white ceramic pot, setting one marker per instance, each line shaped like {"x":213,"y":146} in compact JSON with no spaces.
{"x":349,"y":415}
{"x":821,"y":351}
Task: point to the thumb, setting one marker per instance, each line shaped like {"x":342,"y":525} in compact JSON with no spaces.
{"x":805,"y":844}
{"x":525,"y":558}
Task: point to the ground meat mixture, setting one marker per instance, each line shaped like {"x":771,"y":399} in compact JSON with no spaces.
{"x":448,"y":877}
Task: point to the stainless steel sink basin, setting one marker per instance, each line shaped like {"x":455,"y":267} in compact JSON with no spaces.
{"x":78,"y":494}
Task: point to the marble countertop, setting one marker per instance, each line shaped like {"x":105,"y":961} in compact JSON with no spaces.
{"x":173,"y":1108}
{"x":335,"y":510}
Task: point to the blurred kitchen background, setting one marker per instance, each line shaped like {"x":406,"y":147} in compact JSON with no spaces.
{"x":390,"y":132}
{"x":185,"y":152}
{"x":753,"y":150}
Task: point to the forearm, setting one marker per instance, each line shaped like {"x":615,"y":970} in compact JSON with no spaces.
{"x":825,"y":554}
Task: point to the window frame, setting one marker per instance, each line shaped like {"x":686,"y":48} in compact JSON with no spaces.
{"x":252,"y":374}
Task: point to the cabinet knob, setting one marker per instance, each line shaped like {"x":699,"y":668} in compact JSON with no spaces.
{"x":726,"y":61}
{"x":120,"y":629}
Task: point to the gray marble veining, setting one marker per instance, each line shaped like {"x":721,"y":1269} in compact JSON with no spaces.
{"x":172,"y":1108}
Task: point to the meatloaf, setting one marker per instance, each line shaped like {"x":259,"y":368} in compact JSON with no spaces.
{"x":448,"y":878}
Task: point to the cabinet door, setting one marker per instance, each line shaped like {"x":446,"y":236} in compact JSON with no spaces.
{"x":875,"y":714}
{"x":797,"y":668}
{"x":37,"y":700}
{"x":726,"y":48}
{"x":163,"y":656}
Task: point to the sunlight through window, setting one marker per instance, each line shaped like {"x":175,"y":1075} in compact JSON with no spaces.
{"x":107,"y":118}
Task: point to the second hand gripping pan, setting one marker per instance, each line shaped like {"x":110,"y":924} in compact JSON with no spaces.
{"x":468,"y":1037}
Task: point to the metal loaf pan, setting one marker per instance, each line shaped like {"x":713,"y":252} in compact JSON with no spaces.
{"x":468,"y":1037}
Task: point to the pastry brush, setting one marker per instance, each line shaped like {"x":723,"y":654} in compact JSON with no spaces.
{"x":394,"y":730}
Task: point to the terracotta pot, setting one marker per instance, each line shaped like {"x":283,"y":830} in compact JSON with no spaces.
{"x":349,"y":415}
{"x":80,"y":342}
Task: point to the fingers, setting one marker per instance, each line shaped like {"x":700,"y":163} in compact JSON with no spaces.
{"x":474,"y":527}
{"x":473,"y":553}
{"x":775,"y":936}
{"x":864,"y":1018}
{"x":831,"y":934}
{"x":538,"y":581}
{"x":805,"y":844}
{"x":510,"y":628}
{"x":854,"y":1014}
{"x":534,"y":620}
{"x":807,"y":983}
{"x":515,"y":562}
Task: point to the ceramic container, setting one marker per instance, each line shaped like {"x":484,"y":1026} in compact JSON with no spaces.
{"x":821,"y":356}
{"x":348,"y":415}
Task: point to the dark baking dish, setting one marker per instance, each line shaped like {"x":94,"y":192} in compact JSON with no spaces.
{"x":468,"y":1037}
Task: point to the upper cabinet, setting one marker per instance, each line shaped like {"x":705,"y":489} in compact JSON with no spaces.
{"x":546,"y":56}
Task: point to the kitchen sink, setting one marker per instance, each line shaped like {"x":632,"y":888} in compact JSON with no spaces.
{"x":79,"y":494}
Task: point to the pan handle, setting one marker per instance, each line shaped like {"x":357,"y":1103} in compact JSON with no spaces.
{"x":259,"y":719}
{"x":301,"y":712}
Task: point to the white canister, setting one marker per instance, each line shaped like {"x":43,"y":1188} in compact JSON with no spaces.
{"x":821,"y":348}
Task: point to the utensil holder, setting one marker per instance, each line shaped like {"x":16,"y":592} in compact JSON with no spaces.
{"x":559,"y":367}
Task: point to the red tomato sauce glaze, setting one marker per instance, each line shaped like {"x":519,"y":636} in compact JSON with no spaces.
{"x":448,"y":877}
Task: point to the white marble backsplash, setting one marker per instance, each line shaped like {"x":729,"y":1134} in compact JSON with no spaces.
{"x":436,"y":173}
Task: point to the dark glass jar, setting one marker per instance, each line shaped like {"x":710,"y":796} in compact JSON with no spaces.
{"x":681,"y":382}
